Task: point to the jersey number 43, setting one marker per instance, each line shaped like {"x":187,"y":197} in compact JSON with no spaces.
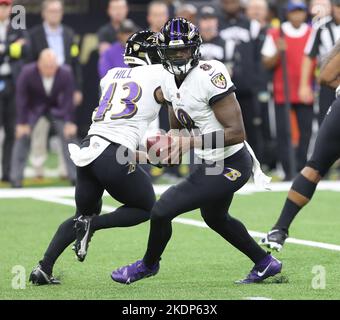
{"x":125,"y":108}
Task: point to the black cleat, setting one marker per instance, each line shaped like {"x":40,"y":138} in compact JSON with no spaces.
{"x":39,"y":277}
{"x":83,"y":236}
{"x":274,"y":239}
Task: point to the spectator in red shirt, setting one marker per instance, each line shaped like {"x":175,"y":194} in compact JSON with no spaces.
{"x":295,"y":35}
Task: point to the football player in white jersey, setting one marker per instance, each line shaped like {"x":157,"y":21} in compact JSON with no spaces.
{"x":200,"y":94}
{"x":105,"y":158}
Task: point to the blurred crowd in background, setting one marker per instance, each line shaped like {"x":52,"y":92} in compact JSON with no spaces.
{"x":50,"y":73}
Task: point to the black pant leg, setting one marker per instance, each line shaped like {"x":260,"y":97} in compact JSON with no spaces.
{"x":326,"y":98}
{"x":134,"y":190}
{"x":63,"y":237}
{"x":196,"y":191}
{"x":326,"y":152}
{"x":217,"y":217}
{"x":85,"y":196}
{"x":327,"y":146}
{"x":88,"y":192}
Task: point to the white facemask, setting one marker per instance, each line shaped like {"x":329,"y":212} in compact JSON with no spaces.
{"x":180,"y":70}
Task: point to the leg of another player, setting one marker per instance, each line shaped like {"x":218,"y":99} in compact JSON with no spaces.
{"x":326,"y":152}
{"x":299,"y":195}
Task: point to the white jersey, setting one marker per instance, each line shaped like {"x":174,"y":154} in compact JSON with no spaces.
{"x":126,"y":108}
{"x":192,"y":102}
{"x":127,"y":105}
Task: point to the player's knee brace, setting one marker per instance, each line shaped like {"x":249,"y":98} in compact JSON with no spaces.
{"x":304,"y":186}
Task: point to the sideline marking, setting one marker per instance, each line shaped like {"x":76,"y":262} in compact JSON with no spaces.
{"x":249,"y":188}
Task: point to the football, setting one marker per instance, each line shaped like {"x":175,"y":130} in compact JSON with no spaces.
{"x":158,"y":147}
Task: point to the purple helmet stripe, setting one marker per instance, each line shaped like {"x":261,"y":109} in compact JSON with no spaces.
{"x":172,"y":30}
{"x":179,"y":31}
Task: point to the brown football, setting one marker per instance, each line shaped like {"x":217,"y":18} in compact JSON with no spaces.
{"x":158,"y":147}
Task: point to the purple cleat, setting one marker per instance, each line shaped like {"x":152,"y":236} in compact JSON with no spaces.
{"x":134,"y":272}
{"x":267,"y":267}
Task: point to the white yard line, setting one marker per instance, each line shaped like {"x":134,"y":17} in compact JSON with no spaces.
{"x":67,"y":202}
{"x":257,"y":298}
{"x":196,"y":223}
{"x":159,"y":189}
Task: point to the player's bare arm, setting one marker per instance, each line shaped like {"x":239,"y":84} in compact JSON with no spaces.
{"x":159,"y":97}
{"x":330,"y":69}
{"x":228,"y":112}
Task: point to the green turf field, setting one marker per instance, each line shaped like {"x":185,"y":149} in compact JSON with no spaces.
{"x":197,"y":264}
